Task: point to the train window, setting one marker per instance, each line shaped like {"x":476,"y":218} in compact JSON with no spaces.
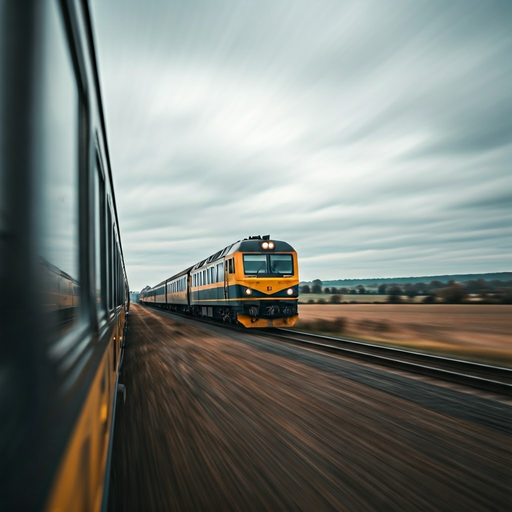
{"x":119,"y":278}
{"x":281,"y":264}
{"x":231,"y":263}
{"x":109,"y":260}
{"x":116,"y":283}
{"x":220,"y":272}
{"x":100,"y":235}
{"x":114,"y":273}
{"x":255,"y":263}
{"x":58,"y":183}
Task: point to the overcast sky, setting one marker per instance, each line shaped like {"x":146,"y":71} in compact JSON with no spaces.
{"x":373,"y":136}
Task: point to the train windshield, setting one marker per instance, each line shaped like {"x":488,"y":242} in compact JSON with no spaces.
{"x":268,"y":264}
{"x":255,"y":264}
{"x":281,"y":264}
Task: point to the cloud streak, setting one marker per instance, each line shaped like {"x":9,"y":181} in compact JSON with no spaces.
{"x":375,"y":138}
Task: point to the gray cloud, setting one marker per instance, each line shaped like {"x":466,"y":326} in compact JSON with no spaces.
{"x":375,"y":137}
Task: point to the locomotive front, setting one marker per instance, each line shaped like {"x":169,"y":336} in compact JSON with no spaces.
{"x":267,"y":282}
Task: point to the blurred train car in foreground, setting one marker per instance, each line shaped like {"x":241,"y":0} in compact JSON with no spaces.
{"x":64,"y":298}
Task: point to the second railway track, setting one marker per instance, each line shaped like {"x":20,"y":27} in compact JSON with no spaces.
{"x":476,"y":375}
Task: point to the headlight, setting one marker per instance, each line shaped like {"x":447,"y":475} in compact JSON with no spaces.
{"x":271,"y":245}
{"x":290,"y":291}
{"x":264,"y":245}
{"x":248,"y":291}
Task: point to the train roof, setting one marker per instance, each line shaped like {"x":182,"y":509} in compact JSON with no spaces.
{"x":175,"y":276}
{"x":250,"y":244}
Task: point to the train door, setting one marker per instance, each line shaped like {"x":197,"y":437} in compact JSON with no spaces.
{"x":226,"y":279}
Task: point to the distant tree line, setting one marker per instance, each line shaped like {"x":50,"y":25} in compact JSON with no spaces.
{"x":493,"y":291}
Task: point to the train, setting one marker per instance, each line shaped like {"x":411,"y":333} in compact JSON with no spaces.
{"x":253,"y":282}
{"x":65,"y":297}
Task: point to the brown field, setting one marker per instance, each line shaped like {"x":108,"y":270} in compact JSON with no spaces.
{"x":474,"y":332}
{"x":348,"y":298}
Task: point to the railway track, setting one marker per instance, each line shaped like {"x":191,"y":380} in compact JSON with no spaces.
{"x":480,"y":376}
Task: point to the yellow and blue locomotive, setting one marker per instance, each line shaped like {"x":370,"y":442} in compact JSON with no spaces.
{"x":254,"y":282}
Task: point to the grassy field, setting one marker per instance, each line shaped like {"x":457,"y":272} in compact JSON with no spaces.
{"x":467,"y":331}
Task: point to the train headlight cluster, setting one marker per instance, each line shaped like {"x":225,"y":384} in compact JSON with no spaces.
{"x":267,"y":245}
{"x":290,"y":291}
{"x":248,"y":291}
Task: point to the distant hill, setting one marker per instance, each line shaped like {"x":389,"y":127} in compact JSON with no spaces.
{"x":375,"y":282}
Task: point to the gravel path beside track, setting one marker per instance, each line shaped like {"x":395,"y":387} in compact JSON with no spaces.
{"x":211,"y":423}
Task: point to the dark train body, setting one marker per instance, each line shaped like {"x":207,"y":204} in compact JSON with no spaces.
{"x":253,"y":282}
{"x":64,"y":297}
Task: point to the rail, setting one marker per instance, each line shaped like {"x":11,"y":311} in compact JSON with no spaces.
{"x":477,"y":375}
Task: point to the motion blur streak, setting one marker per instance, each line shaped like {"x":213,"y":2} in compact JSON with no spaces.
{"x":218,"y":421}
